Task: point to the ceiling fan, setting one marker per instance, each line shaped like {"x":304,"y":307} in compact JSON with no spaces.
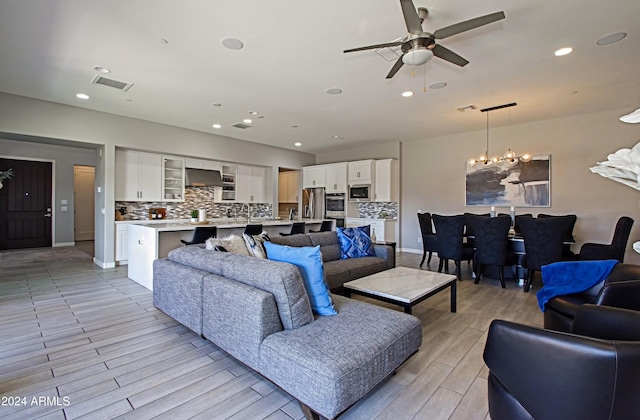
{"x":418,"y":46}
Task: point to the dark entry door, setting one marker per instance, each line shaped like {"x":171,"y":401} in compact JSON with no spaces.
{"x":25,"y":205}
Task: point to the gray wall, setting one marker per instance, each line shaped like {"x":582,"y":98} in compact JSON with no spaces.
{"x":21,"y":116}
{"x":433,"y":174}
{"x":64,"y":159}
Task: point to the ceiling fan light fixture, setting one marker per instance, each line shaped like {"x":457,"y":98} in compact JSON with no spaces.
{"x":417,"y":57}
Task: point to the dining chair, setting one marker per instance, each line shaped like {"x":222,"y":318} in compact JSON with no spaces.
{"x":491,"y":243}
{"x":325,"y":226}
{"x":543,"y":243}
{"x":516,"y":223}
{"x":296,"y":228}
{"x":201,"y":234}
{"x":253,"y":229}
{"x":614,"y":250}
{"x":450,"y":237}
{"x":429,"y":239}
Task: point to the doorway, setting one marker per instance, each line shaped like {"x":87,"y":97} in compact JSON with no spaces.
{"x":83,"y":203}
{"x":25,"y":204}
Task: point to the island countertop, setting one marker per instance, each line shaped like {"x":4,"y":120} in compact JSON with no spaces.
{"x":181,"y":225}
{"x":149,"y":241}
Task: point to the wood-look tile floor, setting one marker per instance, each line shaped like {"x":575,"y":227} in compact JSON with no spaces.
{"x":78,"y":341}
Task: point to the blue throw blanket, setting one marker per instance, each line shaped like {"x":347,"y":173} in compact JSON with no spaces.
{"x":568,"y":277}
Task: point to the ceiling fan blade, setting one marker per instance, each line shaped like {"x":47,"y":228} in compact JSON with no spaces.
{"x":375,"y":47}
{"x":446,"y":54}
{"x":399,"y":63}
{"x":411,"y":17}
{"x":467,"y":25}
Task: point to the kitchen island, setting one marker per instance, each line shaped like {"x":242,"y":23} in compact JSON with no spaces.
{"x":148,"y":242}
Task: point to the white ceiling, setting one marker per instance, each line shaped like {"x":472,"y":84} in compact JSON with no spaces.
{"x":293,"y":53}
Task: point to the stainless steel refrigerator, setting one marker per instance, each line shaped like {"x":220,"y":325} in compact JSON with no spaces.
{"x":313,"y":202}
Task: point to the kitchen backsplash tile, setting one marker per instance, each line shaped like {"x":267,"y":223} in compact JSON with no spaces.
{"x":378,"y":210}
{"x":195,"y":198}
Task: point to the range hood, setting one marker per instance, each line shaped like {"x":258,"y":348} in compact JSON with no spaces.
{"x":203,"y":178}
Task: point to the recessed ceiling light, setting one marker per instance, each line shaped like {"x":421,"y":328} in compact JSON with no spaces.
{"x":162,"y":41}
{"x":611,"y":38}
{"x":101,"y":69}
{"x":232,"y":43}
{"x":334,"y":91}
{"x":216,"y":104}
{"x":407,"y":94}
{"x":253,"y":112}
{"x":438,"y":85}
{"x":563,"y":51}
{"x":338,"y":137}
{"x":247,"y":121}
{"x":294,"y":126}
{"x":297,"y":144}
{"x":216,"y":126}
{"x":82,"y":96}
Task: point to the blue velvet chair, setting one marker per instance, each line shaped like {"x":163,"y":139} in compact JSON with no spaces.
{"x":491,"y":242}
{"x":543,"y":244}
{"x":450,"y":235}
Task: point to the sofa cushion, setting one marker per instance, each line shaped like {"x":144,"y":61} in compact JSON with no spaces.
{"x":282,"y":280}
{"x":292,"y":240}
{"x":231,"y":243}
{"x":360,"y":267}
{"x":325,"y":365}
{"x":336,"y":273}
{"x":255,"y":244}
{"x":309,"y":262}
{"x":355,"y":242}
{"x":329,"y":244}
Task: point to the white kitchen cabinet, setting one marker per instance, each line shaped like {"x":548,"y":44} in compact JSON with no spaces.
{"x":122,"y":242}
{"x":172,"y":179}
{"x":336,"y":178}
{"x":210,"y":165}
{"x":362,"y":172}
{"x":288,"y":187}
{"x":229,"y":178}
{"x":385,"y":229}
{"x":386,"y":184}
{"x":138,"y":176}
{"x":314,"y":176}
{"x":250,"y":184}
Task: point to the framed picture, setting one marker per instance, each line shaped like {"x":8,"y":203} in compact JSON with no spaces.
{"x":510,"y":184}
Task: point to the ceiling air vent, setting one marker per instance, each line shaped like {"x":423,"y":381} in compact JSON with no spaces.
{"x":240,"y":125}
{"x":117,"y":84}
{"x":464,"y":108}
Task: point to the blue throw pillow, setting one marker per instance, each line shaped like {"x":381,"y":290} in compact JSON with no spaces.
{"x":355,"y":242}
{"x":309,"y":262}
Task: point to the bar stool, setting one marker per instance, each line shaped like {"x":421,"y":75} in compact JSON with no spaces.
{"x":296,"y":228}
{"x":253,"y":229}
{"x":201,"y":234}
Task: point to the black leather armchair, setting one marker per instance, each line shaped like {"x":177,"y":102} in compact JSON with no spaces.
{"x":615,"y":250}
{"x":621,"y":289}
{"x":588,"y":374}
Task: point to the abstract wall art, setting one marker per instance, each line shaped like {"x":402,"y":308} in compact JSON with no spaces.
{"x":510,"y":184}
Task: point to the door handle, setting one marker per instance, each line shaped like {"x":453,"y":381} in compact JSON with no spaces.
{"x":47,"y":215}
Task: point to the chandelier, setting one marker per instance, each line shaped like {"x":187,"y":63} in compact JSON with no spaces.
{"x":508,"y":156}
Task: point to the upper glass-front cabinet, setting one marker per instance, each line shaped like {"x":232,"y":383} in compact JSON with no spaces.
{"x":173,"y":179}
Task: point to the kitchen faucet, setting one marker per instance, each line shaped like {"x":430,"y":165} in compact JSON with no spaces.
{"x":248,"y":211}
{"x":292,"y":212}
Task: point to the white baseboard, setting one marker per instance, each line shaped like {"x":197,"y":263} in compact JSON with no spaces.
{"x":411,"y":250}
{"x":102,"y":264}
{"x":63,"y":244}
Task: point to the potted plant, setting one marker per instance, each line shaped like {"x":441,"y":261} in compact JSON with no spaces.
{"x":194,"y":215}
{"x":5,"y":175}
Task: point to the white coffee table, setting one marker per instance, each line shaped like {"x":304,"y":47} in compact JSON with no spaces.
{"x":403,"y":286}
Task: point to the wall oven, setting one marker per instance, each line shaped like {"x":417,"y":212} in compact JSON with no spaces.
{"x":334,"y":205}
{"x":360,"y":193}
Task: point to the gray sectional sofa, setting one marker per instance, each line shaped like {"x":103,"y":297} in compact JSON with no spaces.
{"x":258,"y":311}
{"x":337,"y":271}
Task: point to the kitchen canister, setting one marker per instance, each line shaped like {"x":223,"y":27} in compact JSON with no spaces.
{"x":202,"y":215}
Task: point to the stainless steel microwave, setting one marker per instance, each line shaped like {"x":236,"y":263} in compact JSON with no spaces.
{"x":360,"y":193}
